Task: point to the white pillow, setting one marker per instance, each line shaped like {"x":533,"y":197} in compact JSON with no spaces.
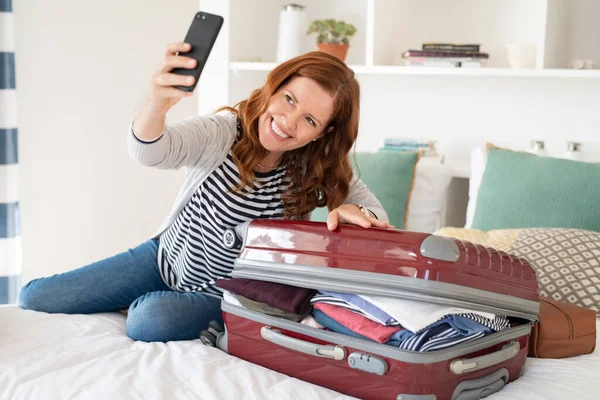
{"x":478,"y":160}
{"x":430,"y":187}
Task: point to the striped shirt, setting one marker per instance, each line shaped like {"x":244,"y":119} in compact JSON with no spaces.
{"x":438,"y":338}
{"x":441,"y":335}
{"x":191,"y":254}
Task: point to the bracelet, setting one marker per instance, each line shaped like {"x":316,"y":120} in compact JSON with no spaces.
{"x":363,"y":209}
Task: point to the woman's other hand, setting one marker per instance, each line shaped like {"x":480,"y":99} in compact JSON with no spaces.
{"x":351,"y":214}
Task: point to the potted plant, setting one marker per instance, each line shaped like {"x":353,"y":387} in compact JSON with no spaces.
{"x":332,"y":36}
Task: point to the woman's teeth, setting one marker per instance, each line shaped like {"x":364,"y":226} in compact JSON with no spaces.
{"x":278,"y":131}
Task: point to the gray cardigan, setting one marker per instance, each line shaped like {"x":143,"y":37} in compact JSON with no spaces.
{"x":200,"y":144}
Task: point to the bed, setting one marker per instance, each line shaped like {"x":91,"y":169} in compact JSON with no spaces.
{"x":57,"y":356}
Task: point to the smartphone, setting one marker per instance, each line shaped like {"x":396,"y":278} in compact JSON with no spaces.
{"x":201,"y":36}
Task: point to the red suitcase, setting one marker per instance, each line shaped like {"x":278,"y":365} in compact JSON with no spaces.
{"x":391,"y":263}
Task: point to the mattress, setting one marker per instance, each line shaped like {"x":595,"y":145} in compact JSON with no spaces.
{"x":57,"y":356}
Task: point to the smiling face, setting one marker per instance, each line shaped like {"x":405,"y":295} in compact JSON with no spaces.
{"x":297,"y":113}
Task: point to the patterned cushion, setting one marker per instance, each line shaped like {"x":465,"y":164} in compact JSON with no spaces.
{"x":567,"y":261}
{"x":500,"y":239}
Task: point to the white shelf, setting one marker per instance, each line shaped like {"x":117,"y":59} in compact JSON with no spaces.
{"x":401,"y":70}
{"x":491,"y":72}
{"x":507,"y":106}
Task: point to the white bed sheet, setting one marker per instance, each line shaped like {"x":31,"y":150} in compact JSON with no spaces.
{"x":57,"y":356}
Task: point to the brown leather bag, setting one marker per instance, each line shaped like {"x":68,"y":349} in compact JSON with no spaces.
{"x":563,"y":330}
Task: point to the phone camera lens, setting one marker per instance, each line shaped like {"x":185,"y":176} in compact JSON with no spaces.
{"x":203,"y":16}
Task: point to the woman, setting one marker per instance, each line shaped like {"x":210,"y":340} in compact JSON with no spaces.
{"x":279,"y":154}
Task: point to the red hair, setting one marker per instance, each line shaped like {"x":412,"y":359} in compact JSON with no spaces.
{"x":320,"y":171}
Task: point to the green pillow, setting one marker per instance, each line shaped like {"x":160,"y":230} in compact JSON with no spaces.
{"x":520,"y":190}
{"x":389,"y":176}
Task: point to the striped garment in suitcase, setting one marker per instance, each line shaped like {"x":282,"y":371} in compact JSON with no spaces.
{"x":391,"y":263}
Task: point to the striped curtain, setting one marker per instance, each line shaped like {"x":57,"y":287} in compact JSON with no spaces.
{"x":10,"y":235}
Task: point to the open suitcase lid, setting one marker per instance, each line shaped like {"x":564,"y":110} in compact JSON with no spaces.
{"x":385,"y":262}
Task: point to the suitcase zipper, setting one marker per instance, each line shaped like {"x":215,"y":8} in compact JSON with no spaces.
{"x":386,"y":285}
{"x":568,"y":318}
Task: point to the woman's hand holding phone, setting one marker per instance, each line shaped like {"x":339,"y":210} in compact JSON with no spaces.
{"x":149,"y":124}
{"x":163,"y":94}
{"x":177,"y":75}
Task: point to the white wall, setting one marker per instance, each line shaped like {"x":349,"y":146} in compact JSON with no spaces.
{"x":406,"y":24}
{"x":463,"y":111}
{"x":82,"y":68}
{"x":457,"y":111}
{"x":572,"y":32}
{"x":558,"y":33}
{"x":583,"y":43}
{"x":460,"y":112}
{"x":259,"y":40}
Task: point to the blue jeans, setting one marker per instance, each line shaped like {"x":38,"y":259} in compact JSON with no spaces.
{"x":128,"y":280}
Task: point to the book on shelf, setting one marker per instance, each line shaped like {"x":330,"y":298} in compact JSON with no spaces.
{"x":424,"y":152}
{"x":445,"y":54}
{"x":408,"y":142}
{"x":453,"y":62}
{"x":426,"y":147}
{"x":451,"y":47}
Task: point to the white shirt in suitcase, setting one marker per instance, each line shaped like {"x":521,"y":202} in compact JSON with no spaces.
{"x":416,"y":315}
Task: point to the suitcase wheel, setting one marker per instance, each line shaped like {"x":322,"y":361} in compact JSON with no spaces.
{"x":231,"y":240}
{"x":208,"y":339}
{"x":215,"y":328}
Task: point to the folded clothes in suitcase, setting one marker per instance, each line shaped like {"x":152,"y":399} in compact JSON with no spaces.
{"x":394,"y":264}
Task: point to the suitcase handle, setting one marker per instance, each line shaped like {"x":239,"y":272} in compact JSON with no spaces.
{"x":275,"y":336}
{"x":481,"y":387}
{"x":475,"y":364}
